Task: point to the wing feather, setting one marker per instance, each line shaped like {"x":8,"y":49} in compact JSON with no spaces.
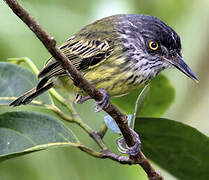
{"x":82,"y":53}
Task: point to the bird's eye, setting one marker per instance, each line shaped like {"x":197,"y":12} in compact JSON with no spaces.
{"x":153,"y":45}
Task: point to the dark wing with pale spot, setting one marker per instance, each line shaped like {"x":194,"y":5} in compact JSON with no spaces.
{"x":82,"y":53}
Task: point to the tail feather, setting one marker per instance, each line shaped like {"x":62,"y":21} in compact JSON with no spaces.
{"x":50,"y":71}
{"x":30,"y":95}
{"x":48,"y":68}
{"x":52,"y":74}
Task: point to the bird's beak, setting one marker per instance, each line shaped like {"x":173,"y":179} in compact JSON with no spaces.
{"x":179,"y":63}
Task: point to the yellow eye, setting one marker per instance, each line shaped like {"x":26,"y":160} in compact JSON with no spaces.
{"x":153,"y":45}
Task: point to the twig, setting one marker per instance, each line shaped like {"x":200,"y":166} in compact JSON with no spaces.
{"x":79,"y":81}
{"x":103,"y":130}
{"x":106,"y":154}
{"x":79,"y":122}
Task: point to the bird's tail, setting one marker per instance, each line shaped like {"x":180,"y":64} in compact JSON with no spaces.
{"x":30,"y":95}
{"x":48,"y":75}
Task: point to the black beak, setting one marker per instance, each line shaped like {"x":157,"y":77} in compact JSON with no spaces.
{"x":179,"y":63}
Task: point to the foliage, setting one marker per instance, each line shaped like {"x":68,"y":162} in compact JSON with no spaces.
{"x":159,"y":98}
{"x":25,"y":132}
{"x":180,"y":149}
{"x":171,"y":144}
{"x":15,"y":80}
{"x":63,"y":18}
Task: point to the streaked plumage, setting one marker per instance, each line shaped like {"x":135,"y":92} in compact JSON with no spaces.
{"x":113,"y":53}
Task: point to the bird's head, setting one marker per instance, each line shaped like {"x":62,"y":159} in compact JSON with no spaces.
{"x":161,"y":44}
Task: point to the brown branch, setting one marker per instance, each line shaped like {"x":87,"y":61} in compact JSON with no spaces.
{"x":79,"y":81}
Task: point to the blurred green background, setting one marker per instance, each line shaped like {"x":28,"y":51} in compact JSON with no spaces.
{"x":190,"y":18}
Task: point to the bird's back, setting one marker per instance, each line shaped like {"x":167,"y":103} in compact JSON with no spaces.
{"x":106,"y":52}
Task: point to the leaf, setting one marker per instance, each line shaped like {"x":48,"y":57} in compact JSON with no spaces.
{"x":178,"y":148}
{"x":16,"y":80}
{"x":141,"y":98}
{"x":25,"y":60}
{"x":112,"y":125}
{"x":25,"y":132}
{"x":160,"y":97}
{"x":139,"y":103}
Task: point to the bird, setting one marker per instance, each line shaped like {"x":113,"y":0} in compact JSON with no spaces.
{"x":117,"y":54}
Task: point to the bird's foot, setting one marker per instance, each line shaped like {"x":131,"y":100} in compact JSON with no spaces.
{"x":98,"y":105}
{"x":81,"y":99}
{"x":104,"y":102}
{"x":132,"y":151}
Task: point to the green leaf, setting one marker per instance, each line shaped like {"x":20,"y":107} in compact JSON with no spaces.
{"x":16,"y":80}
{"x":139,"y":103}
{"x":111,"y":124}
{"x":176,"y":147}
{"x":25,"y":60}
{"x":25,"y":132}
{"x":158,"y":100}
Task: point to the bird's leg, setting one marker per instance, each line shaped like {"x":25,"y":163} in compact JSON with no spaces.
{"x":104,"y":102}
{"x":81,"y":99}
{"x":134,"y":150}
{"x":98,"y":105}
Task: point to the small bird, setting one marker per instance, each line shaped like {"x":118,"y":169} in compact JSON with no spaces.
{"x":117,"y":54}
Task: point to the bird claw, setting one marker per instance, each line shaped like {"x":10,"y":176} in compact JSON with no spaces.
{"x":98,"y":105}
{"x":104,"y":102}
{"x":81,"y":99}
{"x":132,"y":151}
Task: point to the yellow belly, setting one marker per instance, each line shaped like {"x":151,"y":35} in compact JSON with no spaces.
{"x":115,"y":85}
{"x":109,"y":76}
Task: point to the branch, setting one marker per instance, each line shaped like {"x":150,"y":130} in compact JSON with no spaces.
{"x":106,"y":154}
{"x":79,"y":81}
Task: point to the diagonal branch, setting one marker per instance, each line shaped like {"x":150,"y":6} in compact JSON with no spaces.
{"x":79,"y":81}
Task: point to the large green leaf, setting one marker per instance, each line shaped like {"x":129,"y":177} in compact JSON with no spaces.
{"x":178,"y":148}
{"x":25,"y":132}
{"x":16,"y":80}
{"x":159,"y":98}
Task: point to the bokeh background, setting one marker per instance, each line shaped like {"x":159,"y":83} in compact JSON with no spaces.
{"x":62,"y":18}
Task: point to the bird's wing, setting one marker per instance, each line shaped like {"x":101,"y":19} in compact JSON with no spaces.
{"x":82,"y":53}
